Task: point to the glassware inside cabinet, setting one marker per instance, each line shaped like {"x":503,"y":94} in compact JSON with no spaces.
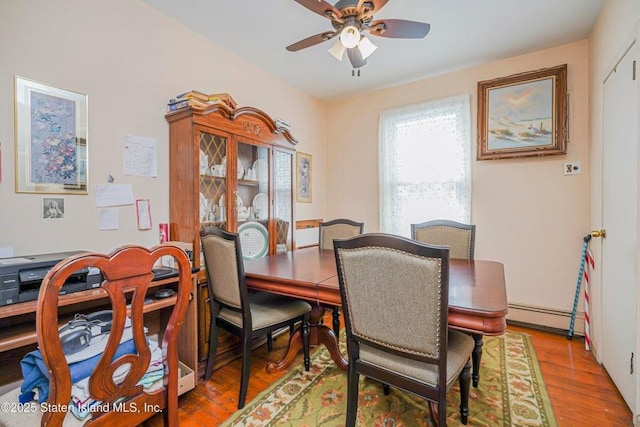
{"x":213,"y":179}
{"x":253,"y":184}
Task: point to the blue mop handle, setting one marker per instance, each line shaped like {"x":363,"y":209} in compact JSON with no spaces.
{"x":577,"y":295}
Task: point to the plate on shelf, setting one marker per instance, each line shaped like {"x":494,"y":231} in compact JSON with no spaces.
{"x":261,"y":170}
{"x":254,"y":240}
{"x":261,"y":203}
{"x":204,"y":207}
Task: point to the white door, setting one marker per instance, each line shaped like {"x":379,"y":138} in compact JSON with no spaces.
{"x":619,"y":216}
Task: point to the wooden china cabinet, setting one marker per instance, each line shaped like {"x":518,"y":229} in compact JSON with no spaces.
{"x":231,"y":168}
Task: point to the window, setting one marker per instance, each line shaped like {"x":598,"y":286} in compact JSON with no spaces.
{"x":425,"y":163}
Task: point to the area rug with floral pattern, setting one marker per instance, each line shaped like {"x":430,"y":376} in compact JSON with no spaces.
{"x":511,"y":393}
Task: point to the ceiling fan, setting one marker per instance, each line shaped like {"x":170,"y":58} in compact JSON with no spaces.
{"x":349,"y":19}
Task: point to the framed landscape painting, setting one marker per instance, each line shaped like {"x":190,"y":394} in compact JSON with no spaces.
{"x":51,"y":139}
{"x":523,"y":115}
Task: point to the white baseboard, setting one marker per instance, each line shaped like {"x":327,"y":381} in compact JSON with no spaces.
{"x":548,"y":317}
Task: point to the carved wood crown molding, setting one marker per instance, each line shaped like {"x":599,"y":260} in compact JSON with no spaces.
{"x":252,"y":128}
{"x":234,"y":114}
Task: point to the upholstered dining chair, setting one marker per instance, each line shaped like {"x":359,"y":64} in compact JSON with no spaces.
{"x":341,"y":228}
{"x":233,"y":307}
{"x":461,"y":238}
{"x":390,"y":284}
{"x":133,"y":396}
{"x":338,"y":229}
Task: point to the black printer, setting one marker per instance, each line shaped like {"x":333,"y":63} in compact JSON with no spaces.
{"x":21,"y":277}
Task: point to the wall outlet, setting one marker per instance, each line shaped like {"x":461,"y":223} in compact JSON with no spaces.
{"x":572,"y":168}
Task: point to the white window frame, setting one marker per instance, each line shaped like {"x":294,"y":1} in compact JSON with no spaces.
{"x":397,"y":220}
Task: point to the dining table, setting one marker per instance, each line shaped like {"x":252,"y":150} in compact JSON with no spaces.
{"x":477,"y":297}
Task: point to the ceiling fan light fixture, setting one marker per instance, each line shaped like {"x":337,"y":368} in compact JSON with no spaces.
{"x":350,"y":36}
{"x":366,"y":47}
{"x":337,"y":50}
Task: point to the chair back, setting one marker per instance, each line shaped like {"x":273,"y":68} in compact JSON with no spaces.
{"x":282,"y":235}
{"x":225,"y":269}
{"x":338,"y":229}
{"x":127,"y":273}
{"x":459,"y":237}
{"x":390,"y":284}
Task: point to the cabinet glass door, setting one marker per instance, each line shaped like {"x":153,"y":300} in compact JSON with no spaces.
{"x":252,"y":199}
{"x":283,"y":200}
{"x":213,"y":179}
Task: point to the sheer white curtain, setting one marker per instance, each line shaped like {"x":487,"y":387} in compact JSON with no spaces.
{"x":425,"y":162}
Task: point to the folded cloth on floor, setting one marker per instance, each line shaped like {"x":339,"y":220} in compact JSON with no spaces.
{"x":80,"y":390}
{"x":36,"y":375}
{"x":81,"y":402}
{"x":82,"y":411}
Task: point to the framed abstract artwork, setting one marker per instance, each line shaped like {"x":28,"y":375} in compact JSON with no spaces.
{"x":523,"y":115}
{"x":303,"y":167}
{"x":51,"y":139}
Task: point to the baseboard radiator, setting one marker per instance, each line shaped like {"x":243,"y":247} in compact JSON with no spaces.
{"x":546,"y":317}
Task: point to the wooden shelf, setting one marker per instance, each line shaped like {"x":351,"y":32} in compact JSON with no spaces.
{"x":212,"y":177}
{"x":67,"y":299}
{"x":248,"y":182}
{"x":25,"y":334}
{"x":17,"y":322}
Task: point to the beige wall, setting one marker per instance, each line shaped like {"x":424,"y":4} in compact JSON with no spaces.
{"x":129,"y":59}
{"x":528,"y":214}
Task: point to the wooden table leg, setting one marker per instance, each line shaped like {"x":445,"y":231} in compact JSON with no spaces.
{"x":319,"y":334}
{"x":476,"y":356}
{"x":328,"y":338}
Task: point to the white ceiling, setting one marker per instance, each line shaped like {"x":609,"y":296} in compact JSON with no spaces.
{"x":463,"y":33}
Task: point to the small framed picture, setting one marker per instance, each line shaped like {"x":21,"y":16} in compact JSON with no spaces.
{"x":303,"y":163}
{"x":52,"y":207}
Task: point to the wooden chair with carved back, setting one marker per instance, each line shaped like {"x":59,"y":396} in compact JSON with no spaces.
{"x":127,"y":273}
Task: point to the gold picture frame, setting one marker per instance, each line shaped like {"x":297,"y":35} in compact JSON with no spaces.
{"x":523,"y":115}
{"x":304,"y":176}
{"x":51,"y":139}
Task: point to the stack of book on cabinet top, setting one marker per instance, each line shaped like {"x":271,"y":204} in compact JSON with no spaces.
{"x":199,"y":100}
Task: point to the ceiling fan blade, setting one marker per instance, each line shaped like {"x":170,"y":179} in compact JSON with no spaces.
{"x":320,"y":7}
{"x":355,"y":57}
{"x":377,"y":5}
{"x":313,"y":40}
{"x":399,"y":29}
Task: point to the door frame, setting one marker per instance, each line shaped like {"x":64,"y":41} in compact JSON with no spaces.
{"x":634,"y":37}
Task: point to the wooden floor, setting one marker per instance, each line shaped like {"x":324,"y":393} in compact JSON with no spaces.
{"x":581,"y":392}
